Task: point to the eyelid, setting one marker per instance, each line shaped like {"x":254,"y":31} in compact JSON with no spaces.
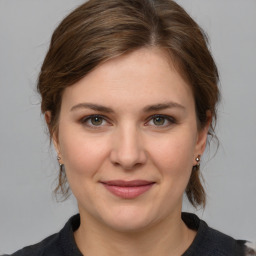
{"x":170,"y":119}
{"x":86,"y":118}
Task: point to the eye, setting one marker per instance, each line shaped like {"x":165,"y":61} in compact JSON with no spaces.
{"x":94,"y":121}
{"x":161,"y":120}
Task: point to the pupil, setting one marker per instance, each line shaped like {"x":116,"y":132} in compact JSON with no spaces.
{"x":96,"y":120}
{"x":159,"y":121}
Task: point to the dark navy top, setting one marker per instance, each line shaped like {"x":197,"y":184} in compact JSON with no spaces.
{"x":208,"y":241}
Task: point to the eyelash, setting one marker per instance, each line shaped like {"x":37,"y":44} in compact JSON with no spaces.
{"x":169,"y":119}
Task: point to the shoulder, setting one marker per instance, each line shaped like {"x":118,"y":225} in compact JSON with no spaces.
{"x":211,"y":242}
{"x":58,"y":244}
{"x":48,"y":245}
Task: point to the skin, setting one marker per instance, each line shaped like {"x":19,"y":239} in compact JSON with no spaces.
{"x":129,"y":144}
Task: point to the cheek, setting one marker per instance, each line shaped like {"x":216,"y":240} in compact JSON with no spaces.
{"x":83,"y":158}
{"x":82,"y":155}
{"x":173,"y":157}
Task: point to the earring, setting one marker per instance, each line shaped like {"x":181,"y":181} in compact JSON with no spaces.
{"x":62,"y":167}
{"x":198,"y":158}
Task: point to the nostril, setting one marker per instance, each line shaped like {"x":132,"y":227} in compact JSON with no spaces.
{"x":127,"y":167}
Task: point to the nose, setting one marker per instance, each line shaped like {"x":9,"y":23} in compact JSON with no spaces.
{"x":128,"y":150}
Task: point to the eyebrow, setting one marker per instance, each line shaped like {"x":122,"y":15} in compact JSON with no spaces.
{"x":96,"y":107}
{"x":149,"y":108}
{"x":162,"y":106}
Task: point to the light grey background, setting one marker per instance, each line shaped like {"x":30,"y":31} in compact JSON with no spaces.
{"x":28,"y":167}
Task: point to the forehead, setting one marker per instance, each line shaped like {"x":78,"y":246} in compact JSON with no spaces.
{"x":145,"y":76}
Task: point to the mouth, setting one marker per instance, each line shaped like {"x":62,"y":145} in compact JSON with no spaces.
{"x":128,"y":189}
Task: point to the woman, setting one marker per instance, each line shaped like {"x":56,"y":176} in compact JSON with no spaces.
{"x":129,"y":92}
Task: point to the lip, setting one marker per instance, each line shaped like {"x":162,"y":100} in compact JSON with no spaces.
{"x":128,"y":189}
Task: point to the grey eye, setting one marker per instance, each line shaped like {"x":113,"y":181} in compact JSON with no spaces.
{"x":159,"y":120}
{"x":96,"y":120}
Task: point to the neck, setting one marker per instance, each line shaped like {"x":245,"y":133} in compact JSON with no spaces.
{"x":170,"y":237}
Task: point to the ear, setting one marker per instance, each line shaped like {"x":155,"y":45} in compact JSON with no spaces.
{"x":53,"y":132}
{"x":202,"y":136}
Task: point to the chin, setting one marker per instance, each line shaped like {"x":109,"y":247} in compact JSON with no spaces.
{"x":129,"y":225}
{"x":129,"y":219}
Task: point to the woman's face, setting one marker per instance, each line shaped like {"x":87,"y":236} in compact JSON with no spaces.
{"x":128,"y":138}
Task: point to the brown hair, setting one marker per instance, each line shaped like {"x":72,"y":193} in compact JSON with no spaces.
{"x":100,"y":30}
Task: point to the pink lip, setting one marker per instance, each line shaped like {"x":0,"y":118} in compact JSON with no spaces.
{"x":128,"y":189}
